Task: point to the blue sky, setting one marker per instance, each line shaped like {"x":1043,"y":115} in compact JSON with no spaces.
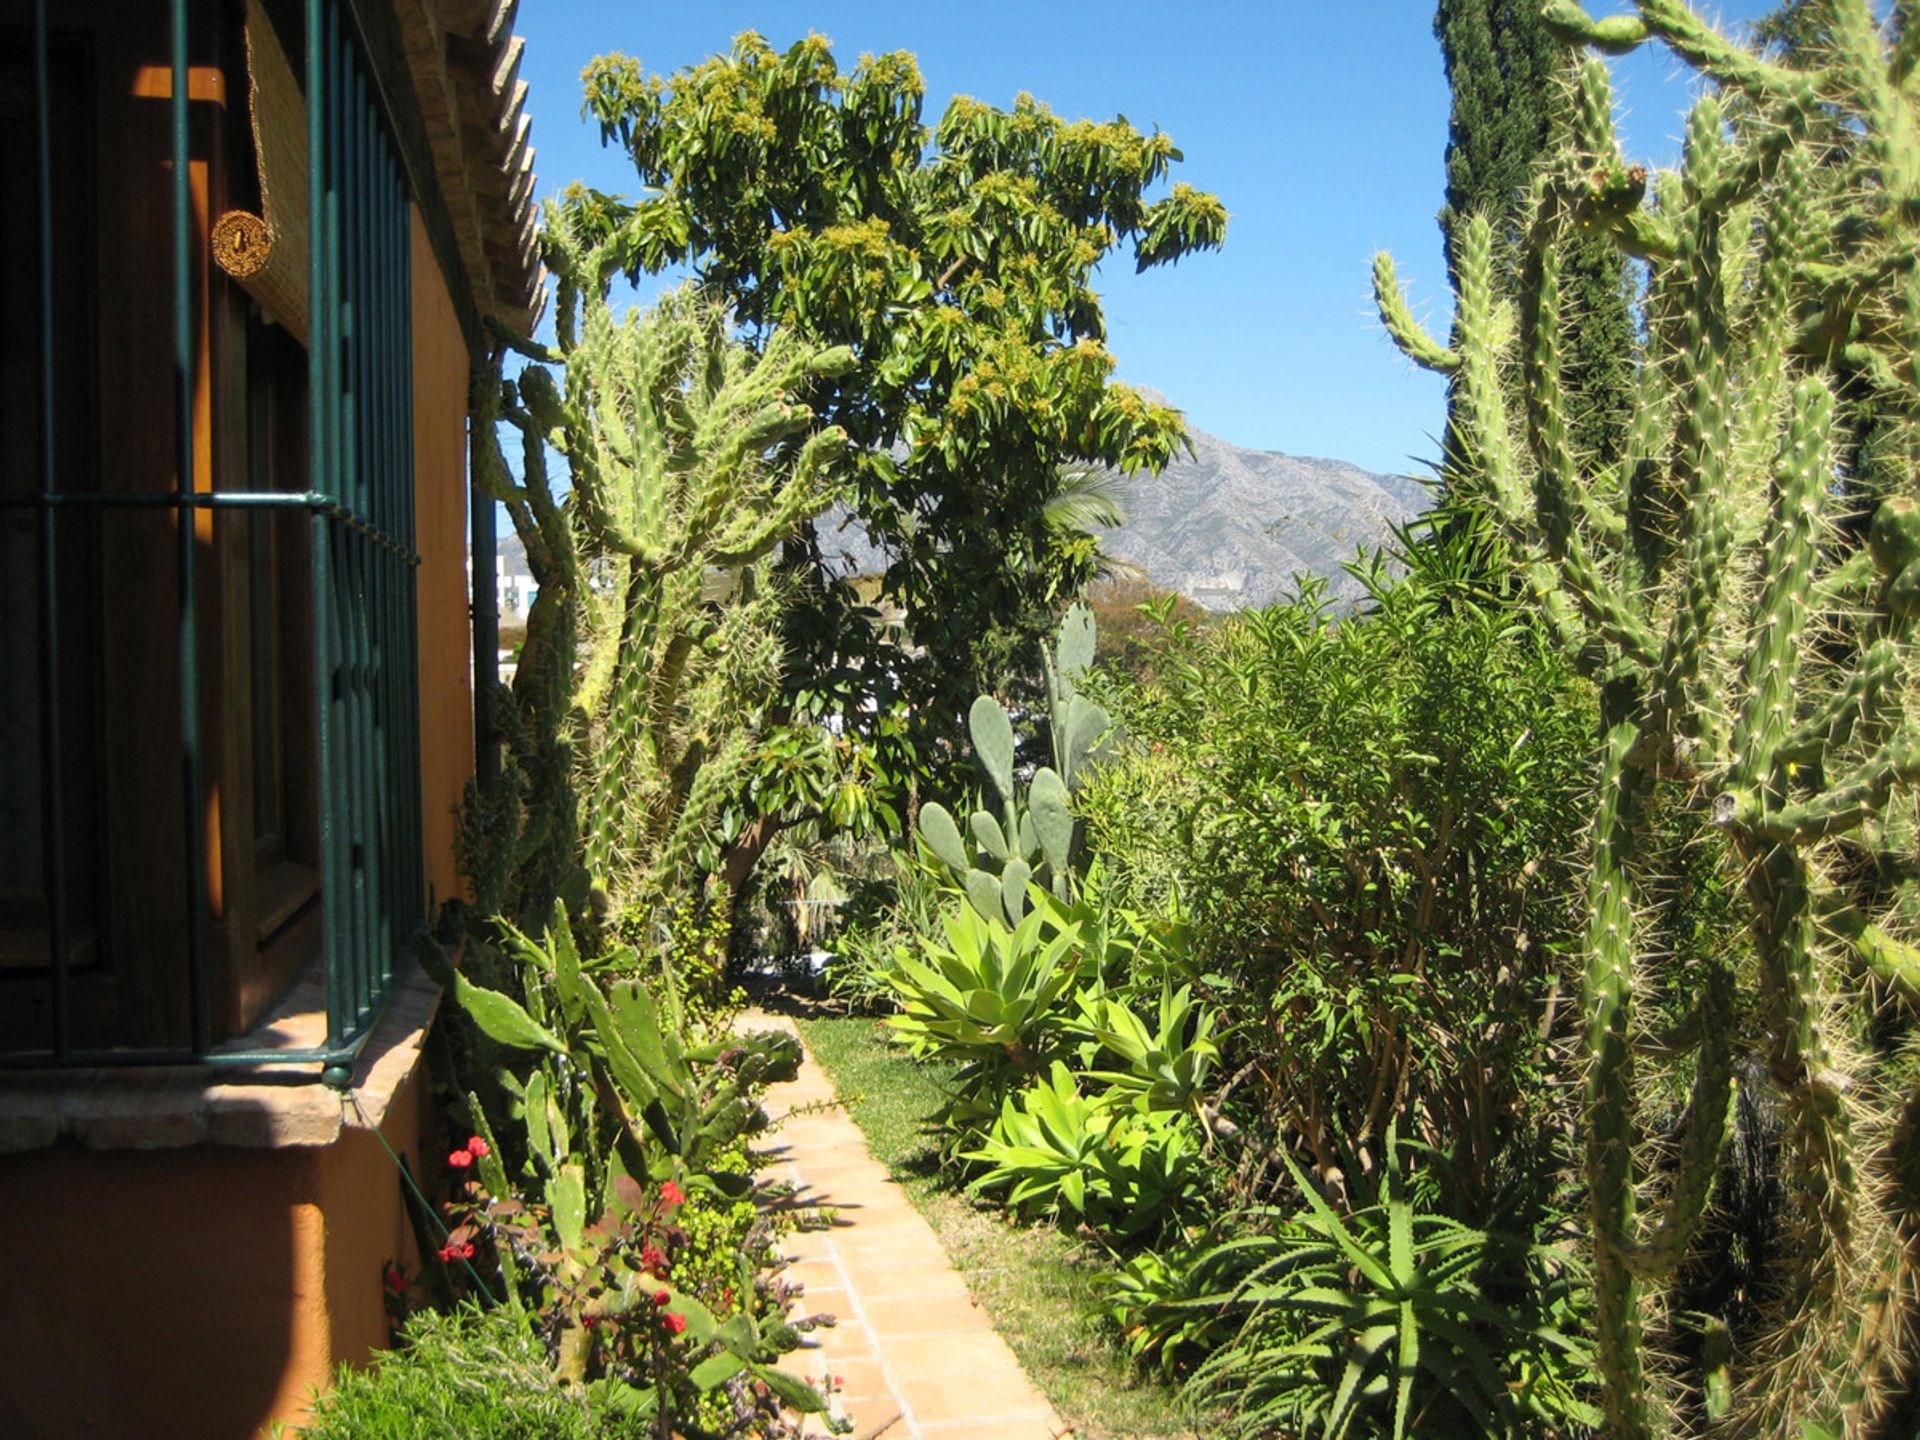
{"x":1322,"y":128}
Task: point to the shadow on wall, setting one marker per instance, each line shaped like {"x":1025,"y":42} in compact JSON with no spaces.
{"x":200,"y":1291}
{"x":156,"y":1293}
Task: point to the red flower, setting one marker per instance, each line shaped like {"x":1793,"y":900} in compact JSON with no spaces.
{"x":477,"y":1147}
{"x":460,"y":1159}
{"x":673,"y":1322}
{"x":672,"y":1194}
{"x":457,"y":1250}
{"x":661,"y":1297}
{"x":396,"y":1280}
{"x":654,"y":1259}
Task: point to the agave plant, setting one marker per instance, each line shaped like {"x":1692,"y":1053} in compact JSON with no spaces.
{"x":1055,"y":1150}
{"x":992,"y":993}
{"x":1384,"y":1320}
{"x":1167,"y":1067}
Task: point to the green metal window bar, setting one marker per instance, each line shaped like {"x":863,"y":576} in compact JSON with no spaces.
{"x":372,"y":882}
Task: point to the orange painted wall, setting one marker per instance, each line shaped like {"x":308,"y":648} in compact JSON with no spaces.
{"x":440,"y":378}
{"x":194,"y":1294}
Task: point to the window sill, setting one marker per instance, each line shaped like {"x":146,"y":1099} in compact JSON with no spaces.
{"x":255,"y":1107}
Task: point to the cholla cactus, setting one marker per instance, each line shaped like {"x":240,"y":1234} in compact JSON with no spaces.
{"x":1752,"y":651}
{"x":653,"y":641}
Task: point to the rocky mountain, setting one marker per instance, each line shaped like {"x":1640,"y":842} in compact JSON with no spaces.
{"x":1230,"y":527}
{"x":1225,"y":526}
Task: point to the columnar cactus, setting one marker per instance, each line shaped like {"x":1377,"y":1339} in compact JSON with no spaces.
{"x":1035,"y":836}
{"x":652,"y":639}
{"x":1742,"y":584}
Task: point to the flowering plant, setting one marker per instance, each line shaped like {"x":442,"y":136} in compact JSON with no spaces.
{"x":618,"y":1210}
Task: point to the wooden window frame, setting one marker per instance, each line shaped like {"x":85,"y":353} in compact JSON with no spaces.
{"x":128,"y":950}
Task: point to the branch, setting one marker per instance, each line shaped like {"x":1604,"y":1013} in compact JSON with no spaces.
{"x":521,"y":345}
{"x":1833,"y":812}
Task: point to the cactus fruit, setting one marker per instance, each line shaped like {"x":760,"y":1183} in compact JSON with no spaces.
{"x":1742,"y":584}
{"x":1035,"y":836}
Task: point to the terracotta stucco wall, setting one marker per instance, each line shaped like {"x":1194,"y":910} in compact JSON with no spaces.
{"x":440,"y":375}
{"x":194,"y":1293}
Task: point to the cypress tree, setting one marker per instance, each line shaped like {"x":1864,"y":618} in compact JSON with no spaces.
{"x":1506,"y":72}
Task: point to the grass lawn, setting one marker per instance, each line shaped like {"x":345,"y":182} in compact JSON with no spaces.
{"x":1036,"y":1282}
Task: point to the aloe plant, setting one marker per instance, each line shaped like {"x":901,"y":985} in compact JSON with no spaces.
{"x":1382,"y":1319}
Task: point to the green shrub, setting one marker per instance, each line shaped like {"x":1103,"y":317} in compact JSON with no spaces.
{"x":1370,"y":824}
{"x":470,"y":1375}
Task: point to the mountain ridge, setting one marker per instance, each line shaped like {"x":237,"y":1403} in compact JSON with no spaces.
{"x":1224,"y":525}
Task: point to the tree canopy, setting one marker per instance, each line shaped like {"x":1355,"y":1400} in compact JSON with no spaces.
{"x":958,"y":264}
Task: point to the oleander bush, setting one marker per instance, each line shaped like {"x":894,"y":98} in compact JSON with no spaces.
{"x":1371,"y":824}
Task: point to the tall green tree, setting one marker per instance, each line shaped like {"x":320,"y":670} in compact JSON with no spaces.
{"x":958,"y":263}
{"x":1509,"y":80}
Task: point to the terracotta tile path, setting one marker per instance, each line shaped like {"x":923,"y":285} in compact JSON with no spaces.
{"x":916,"y":1358}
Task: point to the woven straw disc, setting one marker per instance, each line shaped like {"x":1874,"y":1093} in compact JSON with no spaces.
{"x":242,"y":243}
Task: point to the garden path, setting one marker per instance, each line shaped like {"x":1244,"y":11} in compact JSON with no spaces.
{"x":915,"y":1357}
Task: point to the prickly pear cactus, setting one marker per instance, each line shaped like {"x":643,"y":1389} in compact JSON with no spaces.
{"x":1035,"y":835}
{"x":652,"y":646}
{"x":1742,"y":584}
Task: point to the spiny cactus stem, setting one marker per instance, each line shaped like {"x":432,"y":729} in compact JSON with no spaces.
{"x":1756,"y":162}
{"x":1906,"y":45}
{"x":1562,"y":505}
{"x":1786,"y":939}
{"x":1855,"y":708}
{"x":1409,"y":334}
{"x":1789,"y":229}
{"x":1859,"y":70}
{"x":1479,"y":381}
{"x":1615,"y":35}
{"x":1645,"y":236}
{"x":622,"y":730}
{"x":1702,"y":441}
{"x":1834,"y":811}
{"x":1697,"y":42}
{"x":1593,"y":112}
{"x":1661,"y":1252}
{"x":543,"y":528}
{"x":1773,"y":664}
{"x":1610,"y":1107}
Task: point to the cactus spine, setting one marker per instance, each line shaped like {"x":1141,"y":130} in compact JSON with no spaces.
{"x":652,"y":644}
{"x":1751,"y":651}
